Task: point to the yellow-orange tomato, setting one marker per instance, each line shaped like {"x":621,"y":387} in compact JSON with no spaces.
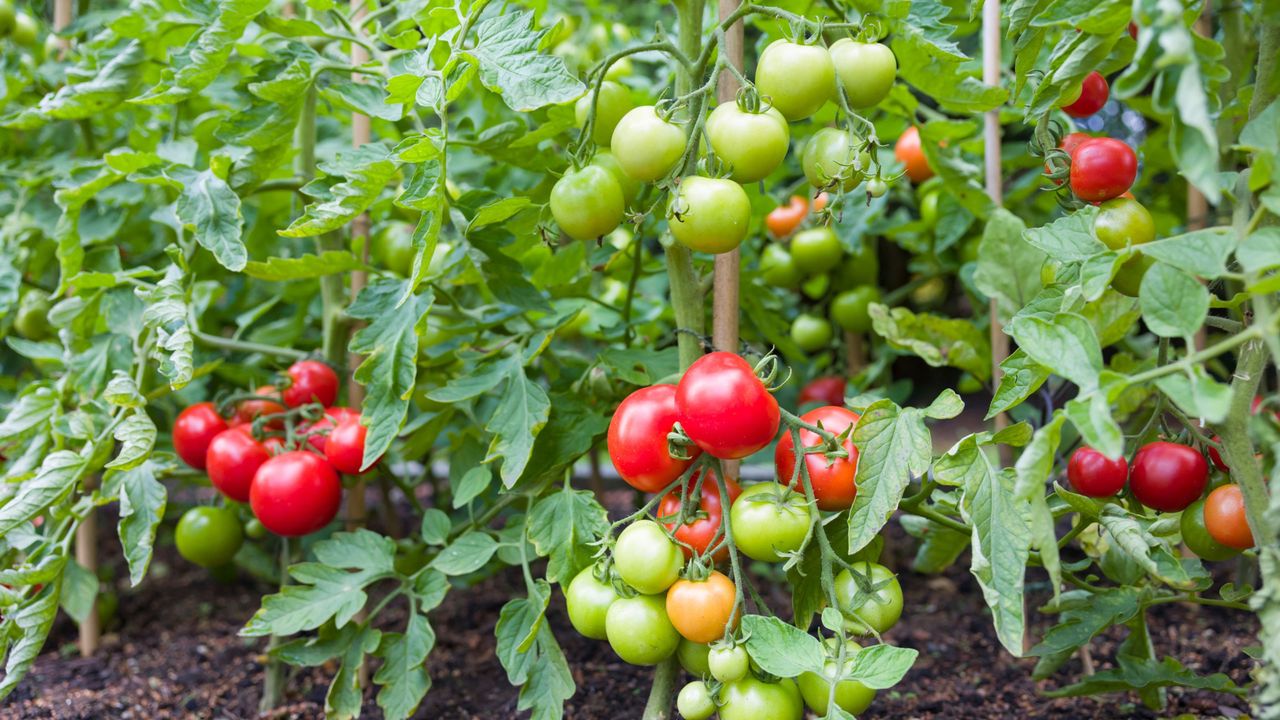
{"x":820,"y":202}
{"x":1224,"y":517}
{"x":908,"y":152}
{"x":700,"y":610}
{"x":784,"y":219}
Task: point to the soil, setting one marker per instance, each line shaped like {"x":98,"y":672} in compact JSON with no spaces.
{"x":173,"y":652}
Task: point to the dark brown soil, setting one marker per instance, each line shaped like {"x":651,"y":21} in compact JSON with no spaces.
{"x":173,"y":653}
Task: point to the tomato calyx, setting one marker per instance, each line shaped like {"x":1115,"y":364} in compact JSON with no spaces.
{"x":678,"y":443}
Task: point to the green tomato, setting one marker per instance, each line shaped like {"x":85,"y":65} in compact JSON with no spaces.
{"x":710,"y":215}
{"x":816,"y":287}
{"x":811,"y":333}
{"x":816,"y":250}
{"x":796,"y":79}
{"x":1128,"y":279}
{"x":849,"y":309}
{"x":1049,"y":271}
{"x":1198,"y":539}
{"x":1122,"y":223}
{"x":647,"y":147}
{"x":968,"y":384}
{"x":614,"y":102}
{"x":851,"y":696}
{"x":693,"y":657}
{"x":393,"y":248}
{"x":587,"y":203}
{"x":646,"y":558}
{"x":728,"y":664}
{"x":769,"y":520}
{"x":778,"y":268}
{"x":694,"y":701}
{"x":865,"y":71}
{"x":929,"y":207}
{"x":31,"y":320}
{"x":639,"y":630}
{"x":24,"y":31}
{"x":970,"y":250}
{"x":588,"y":601}
{"x":860,"y":269}
{"x":754,"y":699}
{"x":7,"y":18}
{"x":209,"y":536}
{"x":630,"y":186}
{"x":254,"y":529}
{"x":877,"y":187}
{"x":753,"y":144}
{"x":930,"y":293}
{"x":832,"y":161}
{"x":879,"y":609}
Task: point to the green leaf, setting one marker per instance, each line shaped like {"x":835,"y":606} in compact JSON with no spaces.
{"x":363,"y":98}
{"x":1135,"y":674}
{"x":55,"y":478}
{"x":210,"y":206}
{"x":142,"y":504}
{"x":1069,"y":238}
{"x":882,"y":666}
{"x":403,"y":675}
{"x":562,"y":527}
{"x":474,"y":482}
{"x":1032,"y":471}
{"x":1084,"y":616}
{"x":166,"y":312}
{"x":640,"y":366}
{"x":305,"y":267}
{"x":532,"y":657}
{"x":363,"y":174}
{"x":1091,"y":414}
{"x":1202,"y":253}
{"x":939,"y":546}
{"x":1260,"y":251}
{"x":1066,"y":345}
{"x":1020,"y":376}
{"x":519,"y":416}
{"x":1197,"y":394}
{"x":929,"y":60}
{"x":200,"y":62}
{"x":137,"y":437}
{"x":1008,"y":266}
{"x":893,"y":447}
{"x":467,"y":554}
{"x":497,"y":212}
{"x":1174,"y":304}
{"x":345,"y":697}
{"x":34,"y":408}
{"x":112,"y":85}
{"x":77,"y":591}
{"x":939,"y":341}
{"x":32,"y":622}
{"x":781,"y":648}
{"x":507,"y":53}
{"x":435,"y":526}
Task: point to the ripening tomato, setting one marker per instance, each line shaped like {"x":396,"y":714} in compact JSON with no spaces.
{"x":249,"y":410}
{"x":1197,"y":538}
{"x":344,"y":449}
{"x":778,"y":268}
{"x":811,"y":332}
{"x":820,"y":202}
{"x":1096,"y":475}
{"x":728,"y":663}
{"x":209,"y":536}
{"x":694,"y":701}
{"x":768,"y":521}
{"x":700,"y":530}
{"x":754,"y":699}
{"x":233,"y":458}
{"x":784,"y":219}
{"x":646,"y":146}
{"x":639,"y":630}
{"x":1093,"y":95}
{"x":1167,"y":476}
{"x":879,"y":608}
{"x":909,"y":153}
{"x":832,"y":480}
{"x":827,"y":390}
{"x":865,"y":71}
{"x":587,"y":203}
{"x":646,"y":559}
{"x":833,"y":160}
{"x":295,"y":493}
{"x":193,"y":430}
{"x":1133,"y":30}
{"x":311,"y":381}
{"x":614,"y":102}
{"x":796,"y":79}
{"x":710,"y":215}
{"x":851,"y":308}
{"x":753,"y":143}
{"x":701,"y":610}
{"x":1224,"y":518}
{"x":637,"y":440}
{"x":588,"y":600}
{"x":1102,"y":168}
{"x":724,"y":408}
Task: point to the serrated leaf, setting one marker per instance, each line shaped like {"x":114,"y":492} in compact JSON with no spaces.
{"x":1066,"y":345}
{"x":34,"y":407}
{"x":562,"y":527}
{"x":1197,"y":394}
{"x":466,"y":554}
{"x":32,"y":622}
{"x":200,"y":62}
{"x":782,"y":649}
{"x":1032,"y":471}
{"x":507,"y":52}
{"x":403,"y":675}
{"x":1174,"y":304}
{"x":1008,"y":266}
{"x":212,"y":208}
{"x":142,"y":504}
{"x":55,"y":478}
{"x":1069,"y":238}
{"x":1020,"y":377}
{"x":304,"y":267}
{"x":939,"y":341}
{"x":1202,"y":253}
{"x":893,"y":447}
{"x":112,"y":85}
{"x":531,"y":656}
{"x":137,"y":437}
{"x":519,"y":416}
{"x":364,"y":173}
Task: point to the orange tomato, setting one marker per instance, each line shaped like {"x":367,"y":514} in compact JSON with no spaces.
{"x":700,"y":609}
{"x":248,"y":410}
{"x":820,"y":202}
{"x":908,"y":152}
{"x":1224,"y":517}
{"x":784,"y":219}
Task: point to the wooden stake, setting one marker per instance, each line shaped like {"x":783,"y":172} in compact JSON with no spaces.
{"x":995,"y":182}
{"x":361,"y":134}
{"x":724,"y":304}
{"x":855,"y":353}
{"x":1197,"y":204}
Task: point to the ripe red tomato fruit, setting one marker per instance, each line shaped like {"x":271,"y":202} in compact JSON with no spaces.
{"x":1073,"y":141}
{"x":318,"y":432}
{"x":194,"y":429}
{"x":1096,"y":475}
{"x":1102,"y":168}
{"x":784,"y":219}
{"x":637,"y":439}
{"x":1224,"y":517}
{"x":908,"y":152}
{"x":1093,"y":95}
{"x":699,"y":532}
{"x":724,"y":408}
{"x":1216,"y":457}
{"x":295,"y":493}
{"x":249,"y":410}
{"x":233,"y":459}
{"x":345,"y":446}
{"x":311,"y":381}
{"x":1133,"y":30}
{"x":827,"y":390}
{"x":700,"y":610}
{"x":833,"y":481}
{"x":1167,"y":476}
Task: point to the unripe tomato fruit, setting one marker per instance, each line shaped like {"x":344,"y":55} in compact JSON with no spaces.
{"x":646,"y":559}
{"x":639,"y":630}
{"x":1096,"y":475}
{"x":724,"y":408}
{"x":865,"y":71}
{"x":31,"y":319}
{"x":877,"y":187}
{"x":753,"y":144}
{"x":754,"y":699}
{"x":693,"y":657}
{"x":646,"y":146}
{"x":613,"y":104}
{"x":587,"y":203}
{"x":768,"y":521}
{"x":710,"y":215}
{"x":345,"y":447}
{"x":728,"y":664}
{"x":1122,"y":222}
{"x":637,"y":439}
{"x":193,"y":430}
{"x":630,"y":186}
{"x":796,"y":79}
{"x":699,"y":531}
{"x":694,"y":701}
{"x":909,"y":153}
{"x":778,"y":267}
{"x":24,"y":31}
{"x":295,"y":493}
{"x":811,"y":333}
{"x":233,"y":458}
{"x":851,"y":308}
{"x":832,"y":480}
{"x":784,"y":219}
{"x":831,"y":160}
{"x":878,"y":609}
{"x":1093,"y":95}
{"x":588,"y":601}
{"x":1102,"y":168}
{"x":311,"y":381}
{"x":816,"y":250}
{"x":1167,"y":476}
{"x":1197,"y":538}
{"x":826,"y":390}
{"x":851,"y":696}
{"x":861,"y":268}
{"x":700,"y":610}
{"x":209,"y":536}
{"x":6,"y":17}
{"x":1225,"y":519}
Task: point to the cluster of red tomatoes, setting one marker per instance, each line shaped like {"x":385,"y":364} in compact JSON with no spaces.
{"x":649,"y":602}
{"x":749,"y":138}
{"x":280,"y":451}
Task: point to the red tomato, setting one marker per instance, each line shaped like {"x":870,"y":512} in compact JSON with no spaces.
{"x":700,"y":531}
{"x":194,"y":429}
{"x":274,"y":445}
{"x":249,"y":410}
{"x":1069,"y":144}
{"x":1216,"y":457}
{"x":311,"y":381}
{"x":724,"y":408}
{"x":1224,"y":517}
{"x":1096,"y":475}
{"x":1133,"y":30}
{"x":1102,"y":168}
{"x":233,"y":459}
{"x":784,"y":219}
{"x":1167,"y":476}
{"x":295,"y":493}
{"x":827,"y":390}
{"x":1093,"y":95}
{"x":908,"y":152}
{"x":318,"y":432}
{"x":345,"y":446}
{"x":637,"y":439}
{"x":833,"y":481}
